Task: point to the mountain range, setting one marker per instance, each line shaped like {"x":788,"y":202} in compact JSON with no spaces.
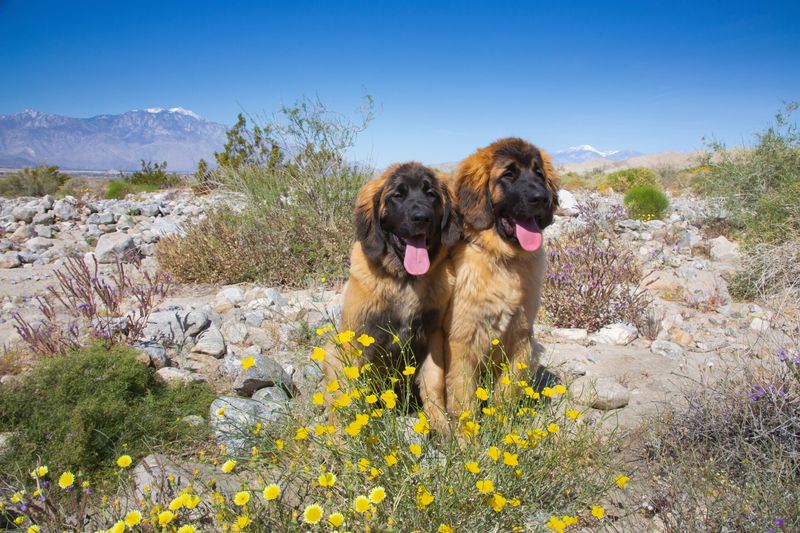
{"x":175,"y":135}
{"x":105,"y":142}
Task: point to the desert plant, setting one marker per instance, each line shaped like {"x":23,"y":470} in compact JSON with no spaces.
{"x":113,"y":309}
{"x":82,"y":410}
{"x":760,"y":190}
{"x":592,"y":280}
{"x":154,"y":174}
{"x":39,"y":181}
{"x":727,"y":458}
{"x":297,"y":221}
{"x":118,"y":189}
{"x":625,"y":180}
{"x":646,"y":202}
{"x":529,"y":460}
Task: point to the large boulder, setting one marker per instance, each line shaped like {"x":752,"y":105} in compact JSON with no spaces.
{"x":264,"y":373}
{"x":618,"y":334}
{"x":600,"y":393}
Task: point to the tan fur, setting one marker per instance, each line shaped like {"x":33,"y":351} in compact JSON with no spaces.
{"x":374,"y":289}
{"x":497,"y":289}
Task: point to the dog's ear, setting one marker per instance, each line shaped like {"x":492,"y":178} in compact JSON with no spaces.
{"x":367,"y":219}
{"x":472,"y":190}
{"x":452,"y":227}
{"x":551,"y":183}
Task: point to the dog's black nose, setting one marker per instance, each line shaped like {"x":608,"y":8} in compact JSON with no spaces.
{"x":420,"y":216}
{"x":537,"y":198}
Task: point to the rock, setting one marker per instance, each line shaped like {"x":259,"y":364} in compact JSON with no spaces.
{"x":264,"y":373}
{"x":618,"y":334}
{"x":171,"y":375}
{"x":150,"y":210}
{"x":44,"y":218}
{"x":235,"y":332}
{"x":193,"y":420}
{"x":37,"y":244}
{"x":125,"y":222}
{"x":165,"y":327}
{"x":65,"y":209}
{"x":24,"y":213}
{"x":682,"y":337}
{"x":759,"y":324}
{"x":44,"y":231}
{"x":164,"y":479}
{"x":195,"y":322}
{"x":155,"y":352}
{"x":113,"y":245}
{"x":567,"y":204}
{"x":201,"y":363}
{"x":275,"y":394}
{"x":571,"y":334}
{"x":163,"y":227}
{"x":667,"y":349}
{"x":210,"y":342}
{"x":228,"y":298}
{"x":10,"y":260}
{"x":724,"y":250}
{"x":23,"y":232}
{"x":600,"y":393}
{"x":233,"y":419}
{"x":255,"y":318}
{"x":101,"y":218}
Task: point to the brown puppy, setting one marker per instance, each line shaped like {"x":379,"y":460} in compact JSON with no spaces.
{"x":400,"y":278}
{"x":507,"y":194}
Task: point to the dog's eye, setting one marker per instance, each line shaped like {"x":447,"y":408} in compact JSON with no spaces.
{"x":507,"y":175}
{"x":539,"y":172}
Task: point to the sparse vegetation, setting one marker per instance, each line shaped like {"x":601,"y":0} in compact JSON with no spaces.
{"x":297,"y":224}
{"x":630,"y":178}
{"x":592,"y":280}
{"x":117,"y":189}
{"x":760,"y":189}
{"x":730,"y":459}
{"x":646,"y":202}
{"x":80,"y":411}
{"x":150,"y":178}
{"x":40,"y":181}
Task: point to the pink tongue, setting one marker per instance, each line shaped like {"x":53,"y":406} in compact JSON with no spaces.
{"x":528,"y":234}
{"x":416,"y":259}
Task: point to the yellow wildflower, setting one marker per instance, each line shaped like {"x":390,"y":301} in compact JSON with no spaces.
{"x":318,"y":398}
{"x":351,"y":372}
{"x":598,"y":512}
{"x":560,"y":389}
{"x":553,"y":428}
{"x":186,"y":529}
{"x":421,"y":426}
{"x":241,"y":498}
{"x":165,"y":517}
{"x":301,"y":433}
{"x":390,"y":459}
{"x":124,"y":461}
{"x":389,"y":399}
{"x":621,"y":480}
{"x":324,"y":330}
{"x":556,"y":524}
{"x":511,"y":459}
{"x":248,"y":362}
{"x":333,"y":386}
{"x":424,"y":498}
{"x":312,"y":514}
{"x":548,"y":392}
{"x":377,"y":495}
{"x":470,"y":428}
{"x":472,"y":467}
{"x":497,"y":502}
{"x":318,"y":354}
{"x":416,"y":449}
{"x":66,"y":480}
{"x":361,"y":504}
{"x":573,"y":414}
{"x":344,"y":337}
{"x":495,"y":342}
{"x":494,"y":453}
{"x":133,"y":518}
{"x":272,"y":492}
{"x":327,"y":479}
{"x":118,"y":527}
{"x":365,"y":340}
{"x":444,"y":528}
{"x":335,"y":520}
{"x":482,"y":394}
{"x":228,"y":466}
{"x":484,"y":486}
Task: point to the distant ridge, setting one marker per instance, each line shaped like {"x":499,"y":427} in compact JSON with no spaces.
{"x":109,"y":142}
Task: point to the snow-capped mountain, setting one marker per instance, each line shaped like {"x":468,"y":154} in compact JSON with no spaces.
{"x":585,"y":152}
{"x":175,"y":135}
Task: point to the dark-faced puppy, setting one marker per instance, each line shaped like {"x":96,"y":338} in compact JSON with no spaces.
{"x":507,"y":194}
{"x":400,"y":278}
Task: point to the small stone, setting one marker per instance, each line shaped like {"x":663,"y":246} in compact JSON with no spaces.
{"x":233,"y":419}
{"x":24,"y":213}
{"x":193,"y":420}
{"x":37,"y":244}
{"x":171,"y":375}
{"x":618,"y":334}
{"x":567,"y":203}
{"x":44,"y":218}
{"x":600,"y":393}
{"x":724,"y":250}
{"x":65,"y":209}
{"x":194,"y":322}
{"x":235,"y":332}
{"x":667,"y":349}
{"x":682,"y":337}
{"x":210,"y":342}
{"x":155,"y":352}
{"x":264,"y":373}
{"x":759,"y":324}
{"x":113,"y":245}
{"x":10,"y":260}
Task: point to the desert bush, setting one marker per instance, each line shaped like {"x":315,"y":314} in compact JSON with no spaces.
{"x":760,"y":188}
{"x":83,"y":410}
{"x":625,"y":180}
{"x":112,"y":309}
{"x":728,"y":458}
{"x":646,"y":202}
{"x":592,"y":280}
{"x":297,"y":221}
{"x":529,"y":462}
{"x":118,"y":189}
{"x":154,"y":174}
{"x":573,"y":181}
{"x":40,"y":181}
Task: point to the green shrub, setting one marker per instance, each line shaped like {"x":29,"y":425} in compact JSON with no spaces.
{"x":646,"y":202}
{"x":154,"y":174}
{"x":760,"y":190}
{"x":625,"y":180}
{"x":40,"y":181}
{"x":117,"y":190}
{"x":80,"y":411}
{"x":297,"y":221}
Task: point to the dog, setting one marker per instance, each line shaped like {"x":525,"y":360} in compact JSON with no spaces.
{"x":507,"y":195}
{"x":401,"y":278}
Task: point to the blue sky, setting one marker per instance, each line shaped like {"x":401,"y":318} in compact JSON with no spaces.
{"x":447,"y":76}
